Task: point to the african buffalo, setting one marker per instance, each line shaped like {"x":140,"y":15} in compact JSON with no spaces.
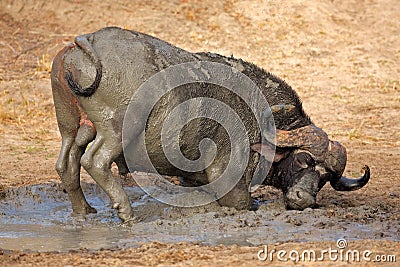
{"x":93,"y":80}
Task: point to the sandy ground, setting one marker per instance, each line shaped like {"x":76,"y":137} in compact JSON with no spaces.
{"x":341,"y":56}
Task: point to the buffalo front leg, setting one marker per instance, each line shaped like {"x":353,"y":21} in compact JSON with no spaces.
{"x":238,"y":197}
{"x":68,"y":168}
{"x":97,"y":162}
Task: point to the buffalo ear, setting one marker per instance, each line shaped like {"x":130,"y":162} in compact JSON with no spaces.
{"x":256,"y":147}
{"x":267,"y":150}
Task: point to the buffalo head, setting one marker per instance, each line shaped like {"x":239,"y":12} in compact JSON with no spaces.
{"x":305,"y":160}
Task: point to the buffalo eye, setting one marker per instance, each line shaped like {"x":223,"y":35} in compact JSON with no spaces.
{"x":303,"y":160}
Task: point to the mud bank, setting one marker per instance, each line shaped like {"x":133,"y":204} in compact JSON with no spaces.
{"x":39,"y":218}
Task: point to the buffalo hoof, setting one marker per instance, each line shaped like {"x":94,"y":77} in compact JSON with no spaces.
{"x":299,"y":199}
{"x":125,"y":212}
{"x":90,"y":210}
{"x":86,"y":209}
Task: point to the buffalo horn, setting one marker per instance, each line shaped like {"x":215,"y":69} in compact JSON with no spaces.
{"x":346,"y":184}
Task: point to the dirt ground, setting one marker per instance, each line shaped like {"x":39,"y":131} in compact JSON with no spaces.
{"x":342,"y":57}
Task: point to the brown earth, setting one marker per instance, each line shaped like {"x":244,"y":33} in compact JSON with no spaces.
{"x":342,"y":57}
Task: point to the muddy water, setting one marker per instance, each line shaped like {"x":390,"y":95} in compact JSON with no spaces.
{"x":39,"y":218}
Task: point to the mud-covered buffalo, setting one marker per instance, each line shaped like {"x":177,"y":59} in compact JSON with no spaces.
{"x":94,"y":79}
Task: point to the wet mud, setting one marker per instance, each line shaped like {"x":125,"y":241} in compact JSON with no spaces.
{"x":38,"y":218}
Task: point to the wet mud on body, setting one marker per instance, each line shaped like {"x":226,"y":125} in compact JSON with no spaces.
{"x":340,"y":56}
{"x":38,"y":218}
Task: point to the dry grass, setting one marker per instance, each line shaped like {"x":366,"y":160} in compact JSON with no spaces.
{"x":20,"y":108}
{"x":341,"y":56}
{"x":44,"y":65}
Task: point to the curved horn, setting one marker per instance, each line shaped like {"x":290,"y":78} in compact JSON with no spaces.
{"x":303,"y":137}
{"x":310,"y":138}
{"x":300,"y":137}
{"x":346,"y":184}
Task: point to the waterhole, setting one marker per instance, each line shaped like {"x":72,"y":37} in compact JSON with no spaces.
{"x":39,"y":218}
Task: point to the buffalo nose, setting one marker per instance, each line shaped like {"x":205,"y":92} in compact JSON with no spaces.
{"x":299,"y":199}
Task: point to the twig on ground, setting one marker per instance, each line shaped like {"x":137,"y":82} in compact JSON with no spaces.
{"x":31,"y":48}
{"x":9,"y":46}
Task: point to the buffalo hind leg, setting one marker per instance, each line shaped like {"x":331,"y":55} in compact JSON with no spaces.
{"x":97,"y":162}
{"x":73,"y":188}
{"x":121,"y":164}
{"x":68,"y":167}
